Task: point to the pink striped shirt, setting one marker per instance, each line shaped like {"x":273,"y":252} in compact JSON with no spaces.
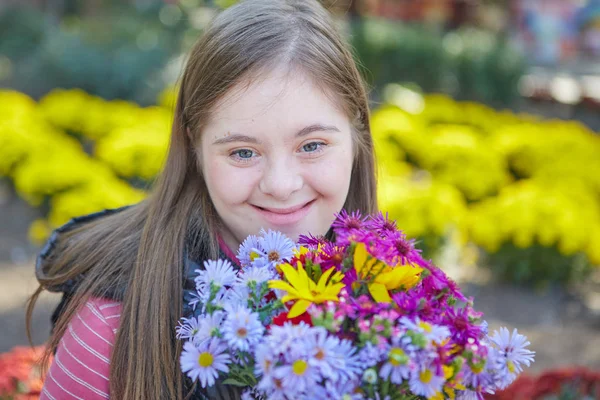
{"x":81,"y":366}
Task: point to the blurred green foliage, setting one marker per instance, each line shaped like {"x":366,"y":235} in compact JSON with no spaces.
{"x":119,"y":51}
{"x":469,"y":64}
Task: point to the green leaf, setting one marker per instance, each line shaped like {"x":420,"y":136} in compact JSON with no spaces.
{"x":234,"y":382}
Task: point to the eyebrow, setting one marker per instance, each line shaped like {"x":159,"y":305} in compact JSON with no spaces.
{"x":238,"y":137}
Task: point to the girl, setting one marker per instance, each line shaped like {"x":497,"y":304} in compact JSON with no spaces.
{"x":271,"y":131}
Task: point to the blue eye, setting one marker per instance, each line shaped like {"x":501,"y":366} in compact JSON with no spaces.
{"x":243,"y":154}
{"x":313,"y":147}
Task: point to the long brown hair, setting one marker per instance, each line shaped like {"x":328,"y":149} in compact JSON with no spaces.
{"x":142,"y":247}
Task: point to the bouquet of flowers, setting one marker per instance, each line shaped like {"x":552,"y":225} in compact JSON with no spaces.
{"x":360,"y":317}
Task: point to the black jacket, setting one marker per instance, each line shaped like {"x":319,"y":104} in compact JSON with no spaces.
{"x":44,"y":261}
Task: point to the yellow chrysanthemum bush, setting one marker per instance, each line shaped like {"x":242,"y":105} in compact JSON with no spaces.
{"x":50,"y":168}
{"x":525,"y":191}
{"x":139,"y":149}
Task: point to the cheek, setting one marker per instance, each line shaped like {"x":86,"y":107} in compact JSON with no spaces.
{"x":228,"y":185}
{"x":332,"y":177}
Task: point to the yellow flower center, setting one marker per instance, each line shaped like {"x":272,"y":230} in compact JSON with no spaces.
{"x":299,"y":367}
{"x":205,"y":359}
{"x":425,"y":326}
{"x":511,"y":367}
{"x":254,"y":255}
{"x":477,"y":368}
{"x":425,"y":376}
{"x":397,"y":356}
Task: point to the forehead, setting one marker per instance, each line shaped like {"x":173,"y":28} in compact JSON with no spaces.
{"x":279,"y":98}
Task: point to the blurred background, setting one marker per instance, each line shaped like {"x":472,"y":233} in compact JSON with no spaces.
{"x":485,"y":115}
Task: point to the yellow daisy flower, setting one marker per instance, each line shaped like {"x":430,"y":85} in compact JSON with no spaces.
{"x":304,"y":290}
{"x":382,"y":277}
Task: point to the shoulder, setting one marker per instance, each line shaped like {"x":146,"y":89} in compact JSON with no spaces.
{"x":49,"y":250}
{"x":81,"y":365}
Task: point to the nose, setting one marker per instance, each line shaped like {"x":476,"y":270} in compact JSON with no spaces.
{"x":281,"y":179}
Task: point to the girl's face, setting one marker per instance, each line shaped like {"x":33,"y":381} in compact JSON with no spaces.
{"x":276,"y":154}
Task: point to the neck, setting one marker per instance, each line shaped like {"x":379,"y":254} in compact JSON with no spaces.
{"x":228,"y":243}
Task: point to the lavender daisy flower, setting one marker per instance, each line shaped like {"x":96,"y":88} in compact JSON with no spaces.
{"x":208,"y":326}
{"x":275,"y":388}
{"x":299,"y":375}
{"x":370,"y":355}
{"x":187,"y":328}
{"x":242,"y":328}
{"x":432,"y":332}
{"x":352,"y":368}
{"x":200,"y":329}
{"x":205,"y":361}
{"x":323,"y":353}
{"x":468,"y":395}
{"x":477,"y":373}
{"x":426,"y":382}
{"x":219,"y":272}
{"x":283,"y":338}
{"x":397,"y":367}
{"x":510,"y":353}
{"x":335,"y":391}
{"x":275,"y":248}
{"x":265,"y":360}
{"x":247,"y":252}
{"x":513,"y":348}
{"x":257,"y":275}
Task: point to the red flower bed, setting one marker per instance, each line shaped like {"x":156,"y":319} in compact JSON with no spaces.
{"x":20,"y":377}
{"x":563,"y":383}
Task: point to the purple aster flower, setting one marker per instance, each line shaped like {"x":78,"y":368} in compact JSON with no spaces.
{"x":512,"y":352}
{"x":331,"y":256}
{"x":383,"y":225}
{"x":432,"y":332}
{"x":477,"y":372}
{"x":265,"y":359}
{"x":247,"y":253}
{"x":398,"y":364}
{"x":242,"y":328}
{"x":425,"y":382}
{"x":187,"y":328}
{"x":469,"y":395}
{"x":219,"y":273}
{"x":209,"y":326}
{"x":345,"y":222}
{"x":335,"y":391}
{"x":274,"y":248}
{"x":403,"y":250}
{"x":205,"y":361}
{"x":351,"y":367}
{"x":257,"y":275}
{"x":370,"y":355}
{"x":298,"y":376}
{"x":324,"y":354}
{"x":461,"y":327}
{"x":283,"y":338}
{"x":312,"y":241}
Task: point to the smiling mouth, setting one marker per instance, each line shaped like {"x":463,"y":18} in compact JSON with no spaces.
{"x":284,"y":216}
{"x":288,"y":210}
